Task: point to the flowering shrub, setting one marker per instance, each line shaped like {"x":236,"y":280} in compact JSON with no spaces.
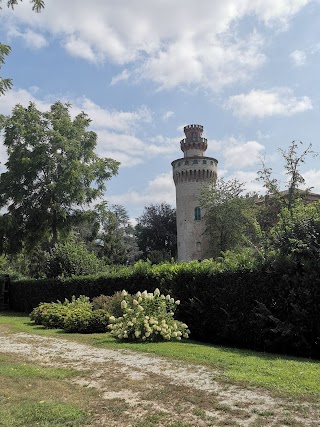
{"x":148,"y":317}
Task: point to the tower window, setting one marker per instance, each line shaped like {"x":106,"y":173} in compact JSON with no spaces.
{"x":197,"y":213}
{"x":211,"y":162}
{"x":194,"y":136}
{"x":204,"y":162}
{"x":179,"y":164}
{"x":198,"y":246}
{"x":195,"y":162}
{"x":186,"y":162}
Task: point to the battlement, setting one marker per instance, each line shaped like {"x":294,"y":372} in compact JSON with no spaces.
{"x":192,"y":127}
{"x":193,"y":146}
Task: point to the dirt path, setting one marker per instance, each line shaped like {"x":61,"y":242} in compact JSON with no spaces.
{"x":141,"y":386}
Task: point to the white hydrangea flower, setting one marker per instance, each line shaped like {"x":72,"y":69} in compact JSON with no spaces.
{"x":168,"y":297}
{"x":124,"y":304}
{"x":177,"y":302}
{"x":124,"y":293}
{"x":156,"y":292}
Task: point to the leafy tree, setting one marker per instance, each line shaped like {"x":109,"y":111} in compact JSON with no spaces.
{"x":157,"y":232}
{"x":276,"y":202}
{"x":72,"y":258}
{"x":6,"y":84}
{"x":117,"y":240}
{"x":52,"y":171}
{"x":297,"y":232}
{"x":229,"y":215}
{"x":293,"y":159}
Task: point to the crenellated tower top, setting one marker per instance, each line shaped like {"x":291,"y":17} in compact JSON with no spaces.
{"x":193,"y":145}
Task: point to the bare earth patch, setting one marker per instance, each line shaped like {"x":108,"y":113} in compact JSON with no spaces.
{"x":139,"y":390}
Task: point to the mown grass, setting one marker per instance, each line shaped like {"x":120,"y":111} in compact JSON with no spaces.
{"x":31,"y":395}
{"x":292,"y":376}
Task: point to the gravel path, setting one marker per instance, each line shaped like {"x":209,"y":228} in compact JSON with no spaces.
{"x":124,"y":374}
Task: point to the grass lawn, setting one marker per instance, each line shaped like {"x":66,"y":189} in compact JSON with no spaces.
{"x":286,"y":375}
{"x":35,"y":396}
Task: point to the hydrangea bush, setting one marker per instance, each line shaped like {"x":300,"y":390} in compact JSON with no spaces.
{"x":148,"y":317}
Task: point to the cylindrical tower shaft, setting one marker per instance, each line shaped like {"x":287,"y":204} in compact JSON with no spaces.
{"x":190,"y":174}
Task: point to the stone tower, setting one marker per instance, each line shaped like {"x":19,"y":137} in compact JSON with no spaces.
{"x":190,"y":173}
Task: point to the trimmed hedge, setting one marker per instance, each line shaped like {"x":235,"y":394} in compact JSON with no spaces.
{"x":273,"y":309}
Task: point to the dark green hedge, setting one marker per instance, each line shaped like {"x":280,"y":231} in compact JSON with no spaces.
{"x":271,"y":309}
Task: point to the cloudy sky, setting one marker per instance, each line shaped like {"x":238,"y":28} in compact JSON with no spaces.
{"x":247,"y":70}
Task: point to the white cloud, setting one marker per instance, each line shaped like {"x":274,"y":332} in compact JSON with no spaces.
{"x":170,"y":43}
{"x":212,"y":65}
{"x":82,"y":49}
{"x":131,"y":150}
{"x":32,"y":39}
{"x":261,"y":135}
{"x":120,"y":121}
{"x":123,"y":76}
{"x":298,"y":58}
{"x":23,"y":97}
{"x":277,"y":11}
{"x":115,"y":129}
{"x":167,"y":115}
{"x":242,"y":154}
{"x":266,"y":103}
{"x":235,"y":153}
{"x":312,"y":180}
{"x":160,"y":189}
{"x":248,"y":179}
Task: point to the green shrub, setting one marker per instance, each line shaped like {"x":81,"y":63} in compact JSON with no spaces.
{"x":148,"y":317}
{"x":81,"y":320}
{"x":52,"y":315}
{"x":110,"y":303}
{"x":39,"y":312}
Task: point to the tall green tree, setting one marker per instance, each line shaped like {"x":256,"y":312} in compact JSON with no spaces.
{"x":52,"y":172}
{"x":229,"y":215}
{"x":157,"y":232}
{"x":117,"y":242}
{"x":276,"y":201}
{"x":6,"y":83}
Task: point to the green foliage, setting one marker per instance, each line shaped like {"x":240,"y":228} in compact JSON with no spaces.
{"x":230,"y":216}
{"x":157,"y":232}
{"x":53,"y":315}
{"x":76,"y":315}
{"x":5,"y":84}
{"x":84,"y":321}
{"x":297,"y":232}
{"x":72,"y":259}
{"x":112,"y":304}
{"x":117,"y":240}
{"x":52,"y":170}
{"x":271,"y":306}
{"x":148,"y":317}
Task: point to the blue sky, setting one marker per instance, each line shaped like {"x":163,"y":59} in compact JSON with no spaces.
{"x":247,"y":70}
